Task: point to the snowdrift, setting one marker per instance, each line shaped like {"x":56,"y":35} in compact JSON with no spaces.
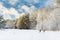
{"x":16,"y":34}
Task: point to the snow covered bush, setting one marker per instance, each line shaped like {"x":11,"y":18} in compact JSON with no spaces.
{"x":9,"y":24}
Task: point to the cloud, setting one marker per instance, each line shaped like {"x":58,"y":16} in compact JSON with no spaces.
{"x":28,"y":9}
{"x":51,"y":3}
{"x":36,"y":1}
{"x":14,"y":12}
{"x":12,"y":2}
{"x":3,"y":11}
{"x":7,"y":12}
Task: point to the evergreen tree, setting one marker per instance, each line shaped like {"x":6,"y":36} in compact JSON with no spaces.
{"x":2,"y":22}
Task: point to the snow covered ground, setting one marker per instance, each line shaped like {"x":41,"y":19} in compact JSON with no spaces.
{"x":16,"y":34}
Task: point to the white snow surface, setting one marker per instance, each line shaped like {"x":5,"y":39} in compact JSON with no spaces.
{"x":16,"y":34}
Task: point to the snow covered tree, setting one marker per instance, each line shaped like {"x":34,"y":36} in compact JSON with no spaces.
{"x":23,"y":22}
{"x":32,"y":18}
